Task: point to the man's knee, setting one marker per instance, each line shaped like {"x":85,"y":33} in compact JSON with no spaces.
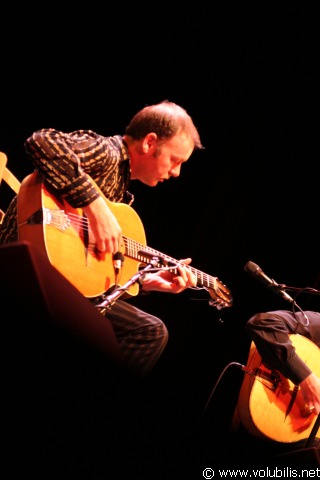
{"x":254,"y":321}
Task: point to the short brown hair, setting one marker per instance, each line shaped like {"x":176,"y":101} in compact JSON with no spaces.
{"x":166,"y":119}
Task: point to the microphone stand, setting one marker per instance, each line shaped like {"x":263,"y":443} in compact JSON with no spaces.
{"x":110,"y":299}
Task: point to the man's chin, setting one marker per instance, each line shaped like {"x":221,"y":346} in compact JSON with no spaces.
{"x":152,"y":183}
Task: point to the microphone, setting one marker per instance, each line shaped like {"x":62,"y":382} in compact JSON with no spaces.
{"x":254,"y":270}
{"x":118,"y":259}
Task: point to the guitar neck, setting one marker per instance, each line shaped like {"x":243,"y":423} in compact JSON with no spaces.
{"x":144,"y":254}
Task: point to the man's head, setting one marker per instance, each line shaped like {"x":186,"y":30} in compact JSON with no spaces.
{"x":160,"y":138}
{"x":165,"y":119}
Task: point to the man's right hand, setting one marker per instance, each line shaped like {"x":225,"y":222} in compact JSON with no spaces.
{"x":104,"y":226}
{"x":310,"y":389}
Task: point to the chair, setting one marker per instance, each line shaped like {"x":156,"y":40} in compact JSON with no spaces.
{"x":8,"y":177}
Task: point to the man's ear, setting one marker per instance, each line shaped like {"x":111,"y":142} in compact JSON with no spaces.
{"x":149,"y":142}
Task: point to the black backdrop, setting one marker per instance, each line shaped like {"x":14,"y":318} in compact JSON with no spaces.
{"x":247,"y":75}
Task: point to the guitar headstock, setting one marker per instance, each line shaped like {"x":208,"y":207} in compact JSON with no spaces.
{"x":221,"y":296}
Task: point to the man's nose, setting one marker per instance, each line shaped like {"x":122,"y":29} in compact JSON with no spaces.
{"x":175,"y":172}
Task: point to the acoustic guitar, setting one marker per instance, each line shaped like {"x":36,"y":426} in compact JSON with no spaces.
{"x":270,"y":406}
{"x":63,"y":235}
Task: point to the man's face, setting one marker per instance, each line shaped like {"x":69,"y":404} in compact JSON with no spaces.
{"x":165,"y":159}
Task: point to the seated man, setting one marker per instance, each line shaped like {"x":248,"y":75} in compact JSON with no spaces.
{"x":256,"y":442}
{"x":270,"y":332}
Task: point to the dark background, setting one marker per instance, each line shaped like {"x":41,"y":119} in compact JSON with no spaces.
{"x":246,"y":73}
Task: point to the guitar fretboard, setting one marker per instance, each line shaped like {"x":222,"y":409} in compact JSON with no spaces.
{"x":143,"y":254}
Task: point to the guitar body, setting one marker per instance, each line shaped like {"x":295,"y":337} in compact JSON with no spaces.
{"x":270,"y":406}
{"x":62,"y":239}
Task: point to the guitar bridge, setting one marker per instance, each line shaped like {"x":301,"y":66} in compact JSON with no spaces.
{"x":45,"y":216}
{"x":269,"y":378}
